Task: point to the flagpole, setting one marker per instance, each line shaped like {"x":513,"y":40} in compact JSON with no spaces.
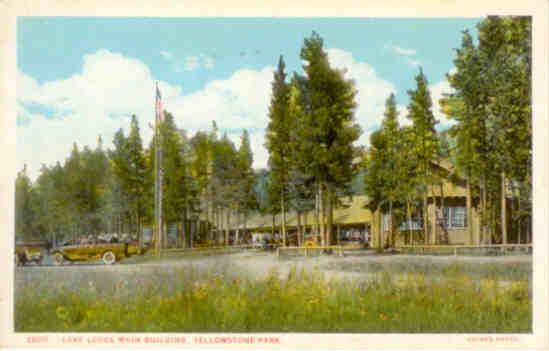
{"x":160,"y":181}
{"x":158,"y":178}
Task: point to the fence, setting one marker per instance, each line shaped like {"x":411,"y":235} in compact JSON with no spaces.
{"x":310,"y":251}
{"x":455,"y":250}
{"x":206,"y":250}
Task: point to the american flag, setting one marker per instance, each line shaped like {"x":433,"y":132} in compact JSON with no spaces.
{"x":159,"y":108}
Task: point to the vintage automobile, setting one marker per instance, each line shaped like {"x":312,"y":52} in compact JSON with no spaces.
{"x":108,"y":252}
{"x":30,"y":252}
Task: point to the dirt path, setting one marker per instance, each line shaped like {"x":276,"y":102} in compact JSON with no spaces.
{"x":255,"y":264}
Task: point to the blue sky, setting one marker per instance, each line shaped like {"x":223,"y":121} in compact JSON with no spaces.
{"x":81,"y":77}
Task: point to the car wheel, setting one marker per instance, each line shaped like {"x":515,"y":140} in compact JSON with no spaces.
{"x":109,"y":257}
{"x":58,"y":259}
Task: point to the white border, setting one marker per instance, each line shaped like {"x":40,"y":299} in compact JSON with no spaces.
{"x":322,"y":8}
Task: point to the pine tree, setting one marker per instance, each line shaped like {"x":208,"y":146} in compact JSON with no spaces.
{"x":387,"y":174}
{"x":24,"y":214}
{"x":466,"y":106}
{"x":425,"y":146}
{"x":301,"y":181}
{"x":278,"y":141}
{"x":331,"y":129}
{"x":76,"y":192}
{"x":491,"y":105}
{"x":201,"y":171}
{"x":129,"y":169}
{"x":505,"y":46}
{"x":224,"y":183}
{"x":246,"y":199}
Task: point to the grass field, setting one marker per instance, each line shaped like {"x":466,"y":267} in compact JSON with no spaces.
{"x":215,"y":295}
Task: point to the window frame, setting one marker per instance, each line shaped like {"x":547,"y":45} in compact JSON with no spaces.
{"x":451,"y":220}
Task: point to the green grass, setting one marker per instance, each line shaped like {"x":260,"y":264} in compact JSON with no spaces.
{"x":204,"y":301}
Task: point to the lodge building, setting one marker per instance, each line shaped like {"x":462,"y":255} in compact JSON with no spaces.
{"x":355,"y":222}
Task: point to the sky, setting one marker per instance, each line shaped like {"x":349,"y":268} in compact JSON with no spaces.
{"x":80,"y":77}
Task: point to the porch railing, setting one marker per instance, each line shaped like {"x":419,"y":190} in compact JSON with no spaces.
{"x":457,"y":249}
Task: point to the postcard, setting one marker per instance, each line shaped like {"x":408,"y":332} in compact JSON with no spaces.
{"x":254,"y":176}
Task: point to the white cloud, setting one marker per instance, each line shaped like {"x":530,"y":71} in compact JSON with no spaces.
{"x":166,"y":55}
{"x":409,"y":55}
{"x":437,"y":92}
{"x":403,"y":51}
{"x":100,"y":99}
{"x":191,"y":63}
{"x":188,"y":63}
{"x":208,"y":62}
{"x":412,"y":62}
{"x":372,"y":90}
{"x":403,"y":119}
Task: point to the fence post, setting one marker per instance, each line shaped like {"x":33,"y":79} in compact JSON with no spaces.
{"x":340,"y":251}
{"x":277,"y":251}
{"x":306,"y":252}
{"x":455,"y":251}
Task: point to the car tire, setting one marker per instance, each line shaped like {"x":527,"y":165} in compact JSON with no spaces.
{"x":58,"y":259}
{"x":109,"y":257}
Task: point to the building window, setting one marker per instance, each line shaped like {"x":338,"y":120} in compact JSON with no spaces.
{"x":414,"y":224}
{"x":455,"y":217}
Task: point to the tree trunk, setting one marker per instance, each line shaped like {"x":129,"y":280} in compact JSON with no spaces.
{"x":503,"y":209}
{"x":379,"y":229}
{"x":390,"y":236}
{"x":217,"y":225}
{"x":493,"y":232}
{"x":484,"y":216}
{"x":193,"y":229}
{"x":316,"y":228}
{"x":409,"y":219}
{"x":139,"y":233}
{"x":443,"y":226}
{"x":519,"y":220}
{"x":330,"y":219}
{"x":529,"y":230}
{"x":205,"y":225}
{"x":237,"y":230}
{"x":185,"y":232}
{"x":425,"y":219}
{"x":273,"y":226}
{"x":322,"y":214}
{"x":245,"y":214}
{"x":283,"y":216}
{"x":227,"y":230}
{"x":469,"y":214}
{"x":164,"y":235}
{"x":220,"y":228}
{"x":299,"y":229}
{"x":434,"y":231}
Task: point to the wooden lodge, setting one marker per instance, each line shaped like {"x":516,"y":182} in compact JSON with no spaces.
{"x":351,"y":221}
{"x":447,"y":219}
